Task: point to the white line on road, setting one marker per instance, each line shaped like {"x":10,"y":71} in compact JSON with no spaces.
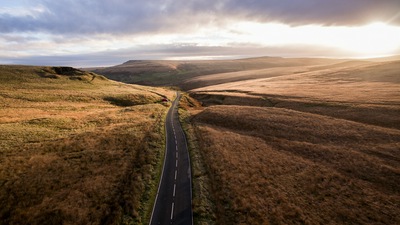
{"x":176,"y":154}
{"x":175,"y":171}
{"x":174,"y":190}
{"x":172,"y":211}
{"x":176,"y":165}
{"x":176,"y":148}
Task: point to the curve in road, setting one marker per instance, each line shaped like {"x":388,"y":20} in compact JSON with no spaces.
{"x":173,"y":204}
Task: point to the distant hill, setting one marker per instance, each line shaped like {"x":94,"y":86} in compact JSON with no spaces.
{"x":370,"y":88}
{"x":384,"y":59}
{"x":177,"y":73}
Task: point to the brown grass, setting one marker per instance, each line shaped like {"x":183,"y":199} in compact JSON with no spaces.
{"x":279,"y":166}
{"x":365,"y":93}
{"x":314,"y":147}
{"x":202,"y":201}
{"x":70,"y":154}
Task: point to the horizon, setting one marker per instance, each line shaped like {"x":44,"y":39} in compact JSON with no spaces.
{"x":107,"y":33}
{"x":187,"y":59}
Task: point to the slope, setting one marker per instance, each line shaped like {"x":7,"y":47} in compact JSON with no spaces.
{"x":278,"y":166}
{"x":77,"y":148}
{"x":365,"y":93}
{"x":314,"y":145}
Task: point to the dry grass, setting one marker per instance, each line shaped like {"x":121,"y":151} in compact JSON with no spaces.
{"x":279,"y":166}
{"x":203,"y":204}
{"x":365,"y":93}
{"x":70,"y":153}
{"x":313,"y":147}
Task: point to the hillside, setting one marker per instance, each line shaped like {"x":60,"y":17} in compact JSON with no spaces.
{"x":277,"y":166}
{"x":365,"y":93}
{"x":77,"y":148}
{"x":301,"y":145}
{"x":176,"y":73}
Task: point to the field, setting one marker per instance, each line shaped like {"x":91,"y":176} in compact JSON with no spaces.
{"x":77,"y":148}
{"x":312,"y":145}
{"x":365,"y":93}
{"x":280,"y":166}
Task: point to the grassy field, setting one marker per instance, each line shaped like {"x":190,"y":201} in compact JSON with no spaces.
{"x":366,"y":93}
{"x":76,"y":148}
{"x":313,"y":145}
{"x":280,"y":166}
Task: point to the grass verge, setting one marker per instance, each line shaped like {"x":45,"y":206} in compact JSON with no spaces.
{"x":203,"y":205}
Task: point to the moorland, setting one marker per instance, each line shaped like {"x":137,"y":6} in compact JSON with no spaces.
{"x":272,"y":141}
{"x":77,"y":148}
{"x":288,"y":141}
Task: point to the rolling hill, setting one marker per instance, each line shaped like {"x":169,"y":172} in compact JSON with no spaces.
{"x":366,"y":92}
{"x":272,"y":141}
{"x":77,"y":148}
{"x":176,"y":73}
{"x":298,"y":145}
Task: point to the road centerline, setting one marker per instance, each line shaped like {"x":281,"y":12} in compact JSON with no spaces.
{"x":172,"y":210}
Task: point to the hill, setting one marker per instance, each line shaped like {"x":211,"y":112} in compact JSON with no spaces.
{"x":270,"y":165}
{"x":77,"y":148}
{"x":298,"y":145}
{"x":176,"y":73}
{"x":366,"y":92}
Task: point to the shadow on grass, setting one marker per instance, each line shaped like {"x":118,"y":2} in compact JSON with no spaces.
{"x":121,"y":101}
{"x":130,"y":100}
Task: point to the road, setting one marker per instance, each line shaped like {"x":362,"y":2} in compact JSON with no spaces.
{"x":173,"y":203}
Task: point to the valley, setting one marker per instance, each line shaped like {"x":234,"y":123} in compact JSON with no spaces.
{"x":303,"y":144}
{"x":271,"y":140}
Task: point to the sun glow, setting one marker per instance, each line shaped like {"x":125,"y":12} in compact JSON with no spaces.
{"x":368,"y":40}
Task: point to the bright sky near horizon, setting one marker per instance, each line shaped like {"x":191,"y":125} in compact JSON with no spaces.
{"x":108,"y":32}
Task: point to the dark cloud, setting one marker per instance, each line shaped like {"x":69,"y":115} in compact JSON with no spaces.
{"x":128,"y":16}
{"x":325,"y":12}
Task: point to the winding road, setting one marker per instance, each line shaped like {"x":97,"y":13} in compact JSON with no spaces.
{"x":173,"y":204}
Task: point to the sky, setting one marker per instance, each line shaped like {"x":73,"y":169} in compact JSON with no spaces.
{"x":86,"y":33}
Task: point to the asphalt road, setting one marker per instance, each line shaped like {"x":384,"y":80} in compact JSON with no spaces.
{"x":173,"y":203}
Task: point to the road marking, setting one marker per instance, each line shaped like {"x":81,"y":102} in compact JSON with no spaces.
{"x":176,"y":165}
{"x":172,"y":211}
{"x":176,"y":148}
{"x":176,"y":171}
{"x":176,"y":154}
{"x":176,"y":142}
{"x":174,"y":190}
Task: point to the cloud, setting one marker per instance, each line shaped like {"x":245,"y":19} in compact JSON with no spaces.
{"x":300,"y":12}
{"x":82,"y":17}
{"x":174,"y":51}
{"x":108,"y":32}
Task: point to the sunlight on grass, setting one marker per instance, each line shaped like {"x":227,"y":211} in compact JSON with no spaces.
{"x":67,"y":152}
